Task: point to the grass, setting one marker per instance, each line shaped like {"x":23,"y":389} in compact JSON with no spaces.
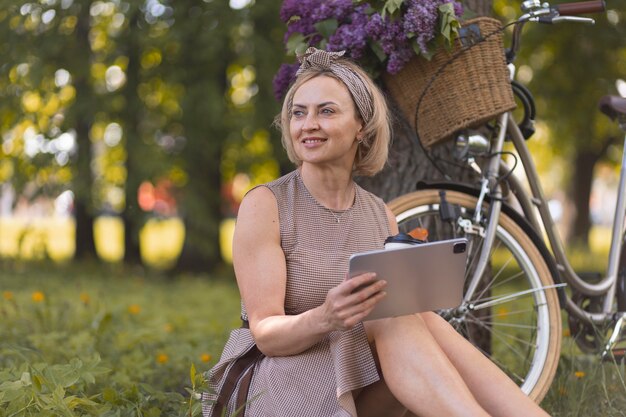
{"x":111,"y":341}
{"x":94,"y":340}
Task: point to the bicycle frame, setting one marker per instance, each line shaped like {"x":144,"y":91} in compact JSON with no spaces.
{"x":537,"y":203}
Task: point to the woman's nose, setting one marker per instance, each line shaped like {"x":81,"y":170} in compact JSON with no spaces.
{"x":310,"y":122}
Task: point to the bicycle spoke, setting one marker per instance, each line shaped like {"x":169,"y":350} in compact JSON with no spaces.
{"x":501,"y":365}
{"x":506,"y":368}
{"x":494,"y":278}
{"x":509,"y":313}
{"x":505,"y":299}
{"x":509,"y":325}
{"x":503,"y":340}
{"x":507,"y":335}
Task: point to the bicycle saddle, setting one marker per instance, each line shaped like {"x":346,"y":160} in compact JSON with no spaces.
{"x":613,"y":106}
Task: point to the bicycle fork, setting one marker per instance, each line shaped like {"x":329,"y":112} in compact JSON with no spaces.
{"x":489,"y":186}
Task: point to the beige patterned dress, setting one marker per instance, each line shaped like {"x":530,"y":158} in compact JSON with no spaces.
{"x":319,"y":381}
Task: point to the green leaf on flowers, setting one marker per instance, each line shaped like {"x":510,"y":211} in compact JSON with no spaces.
{"x":295,"y":43}
{"x":448,"y":22}
{"x":378,"y":50}
{"x":327,"y":27}
{"x":391,"y":6}
{"x":416,"y":48}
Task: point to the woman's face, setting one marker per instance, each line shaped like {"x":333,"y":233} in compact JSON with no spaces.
{"x":324,"y":125}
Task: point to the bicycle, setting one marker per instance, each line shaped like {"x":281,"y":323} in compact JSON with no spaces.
{"x":515,"y":284}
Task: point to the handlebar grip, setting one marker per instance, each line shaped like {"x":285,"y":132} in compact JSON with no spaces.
{"x":580,"y":7}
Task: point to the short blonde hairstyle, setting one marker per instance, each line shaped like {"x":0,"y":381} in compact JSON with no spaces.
{"x":372,"y":152}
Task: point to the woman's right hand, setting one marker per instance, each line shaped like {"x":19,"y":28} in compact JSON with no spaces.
{"x":351,"y":301}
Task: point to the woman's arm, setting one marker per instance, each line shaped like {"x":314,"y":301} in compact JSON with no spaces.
{"x":260,"y":268}
{"x":391,"y":218}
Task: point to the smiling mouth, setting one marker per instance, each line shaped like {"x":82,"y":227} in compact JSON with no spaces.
{"x":313,"y":140}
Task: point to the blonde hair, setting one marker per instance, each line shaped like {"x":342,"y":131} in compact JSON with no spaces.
{"x":373,"y":150}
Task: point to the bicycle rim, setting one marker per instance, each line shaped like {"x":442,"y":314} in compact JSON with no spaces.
{"x":512,"y":317}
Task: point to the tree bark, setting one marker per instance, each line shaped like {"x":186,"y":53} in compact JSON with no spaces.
{"x":131,"y":117}
{"x":81,"y":115}
{"x":480,"y":7}
{"x":407,"y":163}
{"x":585,"y":161}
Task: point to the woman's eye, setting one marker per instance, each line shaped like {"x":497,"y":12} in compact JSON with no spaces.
{"x":297,"y":113}
{"x":327,"y":111}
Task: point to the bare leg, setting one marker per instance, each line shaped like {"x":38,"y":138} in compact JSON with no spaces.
{"x":493,"y":389}
{"x":376,"y":400}
{"x":417,"y":370}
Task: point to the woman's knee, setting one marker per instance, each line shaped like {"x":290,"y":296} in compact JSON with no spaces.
{"x":432,"y":319}
{"x":377,"y":329}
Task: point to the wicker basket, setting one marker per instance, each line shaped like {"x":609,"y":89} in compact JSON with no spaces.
{"x":472,"y":89}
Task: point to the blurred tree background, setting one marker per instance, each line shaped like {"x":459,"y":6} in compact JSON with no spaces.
{"x":149,"y":111}
{"x":107,"y":98}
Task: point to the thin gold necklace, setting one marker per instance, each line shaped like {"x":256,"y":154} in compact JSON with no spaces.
{"x":341,"y":213}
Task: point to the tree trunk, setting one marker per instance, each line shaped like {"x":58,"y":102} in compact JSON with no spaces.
{"x":131,"y":117}
{"x":580,"y":190}
{"x":81,"y":115}
{"x":480,"y":7}
{"x":206,"y":117}
{"x":407,"y":164}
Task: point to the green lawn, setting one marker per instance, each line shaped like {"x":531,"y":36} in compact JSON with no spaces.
{"x":93,"y":340}
{"x":102,"y":341}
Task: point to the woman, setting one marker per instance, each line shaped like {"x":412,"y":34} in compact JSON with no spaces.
{"x":304,"y":349}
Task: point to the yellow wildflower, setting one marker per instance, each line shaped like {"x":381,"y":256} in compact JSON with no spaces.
{"x":168,"y":328}
{"x":579,"y":374}
{"x":134,"y":309}
{"x":566,"y":333}
{"x":502,"y":311}
{"x":205,"y":357}
{"x":85,"y":298}
{"x":162,"y":358}
{"x":38,"y":296}
{"x":8,"y":295}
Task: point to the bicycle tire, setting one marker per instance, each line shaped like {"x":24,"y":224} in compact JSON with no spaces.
{"x":524,"y":334}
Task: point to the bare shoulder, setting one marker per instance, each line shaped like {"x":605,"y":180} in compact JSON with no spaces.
{"x":258,"y":215}
{"x":393,"y":225}
{"x":260,"y":199}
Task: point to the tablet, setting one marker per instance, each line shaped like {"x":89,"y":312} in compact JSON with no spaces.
{"x":424,"y":277}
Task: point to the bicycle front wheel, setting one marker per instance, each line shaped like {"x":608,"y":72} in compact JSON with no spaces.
{"x":514,"y":315}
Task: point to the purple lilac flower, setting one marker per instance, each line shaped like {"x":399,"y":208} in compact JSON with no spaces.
{"x":420,"y":19}
{"x":355,"y":30}
{"x":351,"y":36}
{"x":335,"y":9}
{"x":398,"y":58}
{"x":311,"y":12}
{"x":375,"y":26}
{"x":392,"y":36}
{"x":283,"y":79}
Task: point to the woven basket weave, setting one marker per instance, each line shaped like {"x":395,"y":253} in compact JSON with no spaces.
{"x":472,"y":89}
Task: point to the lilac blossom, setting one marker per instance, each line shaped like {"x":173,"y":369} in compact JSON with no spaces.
{"x":283,"y":79}
{"x":351,"y":36}
{"x":361,"y":27}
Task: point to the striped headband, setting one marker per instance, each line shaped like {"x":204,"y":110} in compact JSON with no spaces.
{"x":323,"y":60}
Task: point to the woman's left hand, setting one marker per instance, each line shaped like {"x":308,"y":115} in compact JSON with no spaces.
{"x":351,"y":301}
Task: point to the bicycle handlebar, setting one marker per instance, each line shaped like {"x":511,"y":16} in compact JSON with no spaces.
{"x":538,"y":12}
{"x":580,"y":7}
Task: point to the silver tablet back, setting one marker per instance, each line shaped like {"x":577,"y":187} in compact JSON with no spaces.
{"x":424,"y":277}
